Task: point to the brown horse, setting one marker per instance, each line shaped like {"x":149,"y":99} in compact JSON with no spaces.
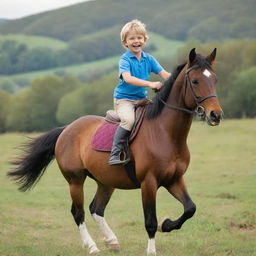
{"x":159,"y":152}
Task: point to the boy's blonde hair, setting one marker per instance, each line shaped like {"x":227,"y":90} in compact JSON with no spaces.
{"x":134,"y":25}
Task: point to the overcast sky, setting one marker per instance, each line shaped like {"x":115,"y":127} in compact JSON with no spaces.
{"x":12,"y":9}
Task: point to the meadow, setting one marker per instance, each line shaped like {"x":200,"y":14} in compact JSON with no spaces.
{"x":221,"y":180}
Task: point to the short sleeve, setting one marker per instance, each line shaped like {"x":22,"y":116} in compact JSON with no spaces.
{"x":124,"y":66}
{"x":155,"y":66}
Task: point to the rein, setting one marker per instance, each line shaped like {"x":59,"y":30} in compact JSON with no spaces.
{"x":199,"y":109}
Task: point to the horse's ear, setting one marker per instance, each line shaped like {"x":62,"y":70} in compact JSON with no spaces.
{"x":192,"y":55}
{"x":211,"y":57}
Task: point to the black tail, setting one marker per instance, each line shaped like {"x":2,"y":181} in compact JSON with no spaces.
{"x":39,"y":153}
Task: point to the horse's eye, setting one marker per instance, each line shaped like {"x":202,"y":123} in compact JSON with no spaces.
{"x":195,"y":82}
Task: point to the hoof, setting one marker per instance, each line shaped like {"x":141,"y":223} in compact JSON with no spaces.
{"x":151,"y":253}
{"x":112,"y":244}
{"x":94,"y":250}
{"x":113,"y":247}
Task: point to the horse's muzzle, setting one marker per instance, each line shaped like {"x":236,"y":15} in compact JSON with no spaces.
{"x":214,"y":117}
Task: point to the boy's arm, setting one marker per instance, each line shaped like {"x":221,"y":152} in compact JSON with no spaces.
{"x":129,"y":79}
{"x":164,"y":74}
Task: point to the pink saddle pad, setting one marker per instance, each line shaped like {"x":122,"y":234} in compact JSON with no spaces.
{"x":103,"y":138}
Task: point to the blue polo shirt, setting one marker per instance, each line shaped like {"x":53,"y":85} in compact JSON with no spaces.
{"x":138,"y":68}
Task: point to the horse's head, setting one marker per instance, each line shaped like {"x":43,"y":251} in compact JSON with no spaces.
{"x":200,"y":89}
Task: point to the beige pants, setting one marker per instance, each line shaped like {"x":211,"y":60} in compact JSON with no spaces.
{"x":126,"y":112}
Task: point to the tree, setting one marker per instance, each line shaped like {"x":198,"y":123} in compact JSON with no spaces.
{"x":34,"y":109}
{"x":242,"y":98}
{"x":19,"y":108}
{"x":8,"y":85}
{"x":10,"y":52}
{"x":36,"y":59}
{"x":4,"y":100}
{"x":93,"y":98}
{"x":44,"y":99}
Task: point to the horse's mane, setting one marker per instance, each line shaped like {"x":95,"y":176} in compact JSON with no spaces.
{"x":155,"y":108}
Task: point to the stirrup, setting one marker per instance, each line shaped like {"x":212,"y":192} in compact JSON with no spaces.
{"x":121,"y":158}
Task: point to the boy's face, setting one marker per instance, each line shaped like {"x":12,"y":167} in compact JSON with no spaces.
{"x":135,"y":42}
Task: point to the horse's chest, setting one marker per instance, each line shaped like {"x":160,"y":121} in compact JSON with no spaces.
{"x":173,"y":169}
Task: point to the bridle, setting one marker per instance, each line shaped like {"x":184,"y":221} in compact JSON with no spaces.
{"x":199,"y":110}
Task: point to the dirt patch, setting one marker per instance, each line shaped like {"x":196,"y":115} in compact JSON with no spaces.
{"x":243,"y":226}
{"x":226,"y":196}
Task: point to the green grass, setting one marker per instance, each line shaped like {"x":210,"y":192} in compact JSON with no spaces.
{"x":166,"y":48}
{"x":35,"y":41}
{"x":221,"y":179}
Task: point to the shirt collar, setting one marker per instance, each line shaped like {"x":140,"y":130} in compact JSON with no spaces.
{"x":130,"y":55}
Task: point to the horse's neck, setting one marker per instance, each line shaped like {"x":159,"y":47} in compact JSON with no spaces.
{"x":176,"y":122}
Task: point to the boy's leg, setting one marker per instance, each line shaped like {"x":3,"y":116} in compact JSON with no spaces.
{"x":125,"y":110}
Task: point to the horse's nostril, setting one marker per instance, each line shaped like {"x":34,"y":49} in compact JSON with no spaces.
{"x":215,"y":116}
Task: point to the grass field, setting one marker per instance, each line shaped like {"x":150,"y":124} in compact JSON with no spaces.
{"x":221,"y":180}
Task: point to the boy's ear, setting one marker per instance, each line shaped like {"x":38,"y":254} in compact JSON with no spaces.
{"x":124,"y":44}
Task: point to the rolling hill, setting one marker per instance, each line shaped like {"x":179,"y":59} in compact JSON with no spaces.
{"x":3,"y":20}
{"x":164,"y":48}
{"x":35,"y":41}
{"x":206,"y":20}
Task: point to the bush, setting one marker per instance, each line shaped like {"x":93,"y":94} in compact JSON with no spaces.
{"x":4,"y":101}
{"x":94,"y":98}
{"x":242,"y":98}
{"x":8,"y":85}
{"x":34,"y":109}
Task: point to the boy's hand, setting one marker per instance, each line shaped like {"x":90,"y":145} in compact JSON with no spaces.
{"x":155,"y":85}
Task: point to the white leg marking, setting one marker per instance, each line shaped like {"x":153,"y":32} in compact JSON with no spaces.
{"x":87,"y":240}
{"x":109,"y":236}
{"x":151,"y":247}
{"x":160,"y":223}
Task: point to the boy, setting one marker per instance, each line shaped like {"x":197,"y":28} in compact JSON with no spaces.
{"x":135,"y":67}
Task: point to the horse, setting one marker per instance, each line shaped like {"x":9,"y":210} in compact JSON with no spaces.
{"x":159,"y":152}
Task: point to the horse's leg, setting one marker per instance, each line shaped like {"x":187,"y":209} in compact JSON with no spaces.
{"x":77,"y":209}
{"x":179,"y":191}
{"x":148,"y":190}
{"x":97,"y":208}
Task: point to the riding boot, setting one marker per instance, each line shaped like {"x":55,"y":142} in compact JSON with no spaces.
{"x":118,"y":154}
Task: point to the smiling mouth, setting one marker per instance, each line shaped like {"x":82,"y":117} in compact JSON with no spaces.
{"x":136,"y":46}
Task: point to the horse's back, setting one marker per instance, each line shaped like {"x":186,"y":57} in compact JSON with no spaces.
{"x":77,"y":135}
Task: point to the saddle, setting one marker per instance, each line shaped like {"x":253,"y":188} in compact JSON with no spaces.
{"x":103,"y":138}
